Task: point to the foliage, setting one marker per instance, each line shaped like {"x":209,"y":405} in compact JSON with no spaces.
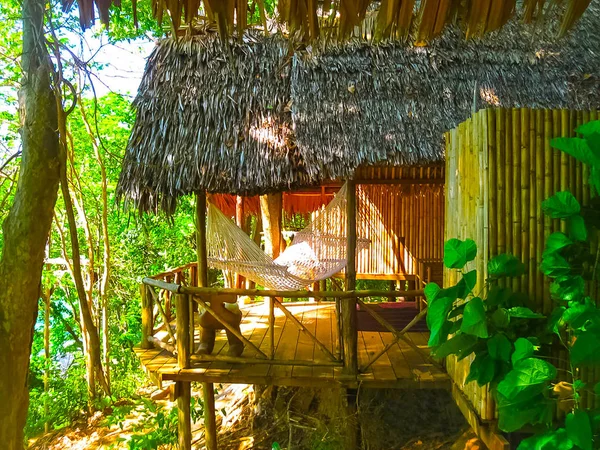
{"x":508,"y":341}
{"x":139,"y":246}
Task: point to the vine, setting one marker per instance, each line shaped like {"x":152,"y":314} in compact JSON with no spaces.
{"x":511,"y":344}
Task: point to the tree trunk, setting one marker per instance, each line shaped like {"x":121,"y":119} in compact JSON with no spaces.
{"x":270,"y":208}
{"x":26,"y":227}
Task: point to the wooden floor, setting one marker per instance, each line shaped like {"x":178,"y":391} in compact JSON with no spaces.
{"x":400,"y":367}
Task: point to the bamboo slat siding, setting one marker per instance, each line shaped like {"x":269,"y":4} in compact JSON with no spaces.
{"x":405,"y":226}
{"x":405,"y":220}
{"x":500,"y":167}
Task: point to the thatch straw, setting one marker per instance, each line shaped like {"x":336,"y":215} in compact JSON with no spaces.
{"x":259,"y":117}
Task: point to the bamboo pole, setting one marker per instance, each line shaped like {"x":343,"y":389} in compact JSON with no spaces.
{"x":348,"y":308}
{"x":493,"y":182}
{"x":525,"y":194}
{"x":501,"y":178}
{"x":517,"y":211}
{"x":564,"y":160}
{"x":536,"y":203}
{"x":509,"y":175}
{"x":549,"y":174}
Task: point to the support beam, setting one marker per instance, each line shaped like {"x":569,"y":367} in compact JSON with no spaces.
{"x":182,"y":303}
{"x":208,"y":391}
{"x":348,"y":306}
{"x":183,"y":388}
{"x":201,"y":239}
{"x":147,"y":316}
{"x":210,"y":421}
{"x":183,"y":391}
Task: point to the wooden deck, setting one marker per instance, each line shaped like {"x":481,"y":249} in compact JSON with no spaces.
{"x":400,"y":367}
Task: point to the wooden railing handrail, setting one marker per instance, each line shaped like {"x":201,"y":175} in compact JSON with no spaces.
{"x":178,"y":289}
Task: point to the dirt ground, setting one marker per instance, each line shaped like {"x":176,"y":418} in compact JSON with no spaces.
{"x":297,"y":419}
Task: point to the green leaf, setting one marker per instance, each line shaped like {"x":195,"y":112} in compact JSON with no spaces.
{"x":556,"y":242}
{"x":515,"y":415}
{"x":528,"y":378}
{"x":501,"y":318}
{"x":554,"y":265}
{"x":578,"y":314}
{"x":431,"y":291}
{"x":458,"y":311}
{"x":456,"y":346}
{"x":466,"y":284}
{"x":554,"y":321}
{"x":597,"y":389}
{"x":562,"y":205}
{"x":437,"y":314}
{"x":567,"y":288}
{"x":595,"y":178}
{"x":505,"y":265}
{"x":474,"y":320}
{"x":577,"y":229}
{"x":523,"y":350}
{"x":579,"y":429}
{"x":588,"y":128}
{"x":578,"y":385}
{"x":498,"y":296}
{"x":499,"y":347}
{"x":521,"y":312}
{"x":551,"y":440}
{"x":457,"y":253}
{"x":578,"y":148}
{"x":482,"y":369}
{"x":586,"y":349}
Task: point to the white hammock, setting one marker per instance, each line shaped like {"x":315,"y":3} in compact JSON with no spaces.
{"x":316,"y":253}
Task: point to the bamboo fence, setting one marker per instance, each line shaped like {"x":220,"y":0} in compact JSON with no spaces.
{"x":500,"y":167}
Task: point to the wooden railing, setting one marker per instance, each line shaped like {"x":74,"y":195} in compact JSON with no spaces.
{"x":159,"y":312}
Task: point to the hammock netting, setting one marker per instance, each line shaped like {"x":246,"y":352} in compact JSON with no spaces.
{"x":316,"y":253}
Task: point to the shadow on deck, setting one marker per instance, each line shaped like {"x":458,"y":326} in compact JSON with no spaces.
{"x":298,"y":361}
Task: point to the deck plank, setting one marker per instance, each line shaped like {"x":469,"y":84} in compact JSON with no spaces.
{"x":258,"y":338}
{"x":323,"y":333}
{"x":401,"y":367}
{"x":382,"y":367}
{"x":306,"y":346}
{"x":396,"y":357}
{"x":363,"y":358}
{"x":286,"y":349}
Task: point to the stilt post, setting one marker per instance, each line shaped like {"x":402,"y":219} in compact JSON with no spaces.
{"x":210,"y":424}
{"x":184,"y":396}
{"x":348,"y":306}
{"x":184,"y":391}
{"x":208,"y":390}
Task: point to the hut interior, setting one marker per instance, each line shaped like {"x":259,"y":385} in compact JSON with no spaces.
{"x":273,"y":130}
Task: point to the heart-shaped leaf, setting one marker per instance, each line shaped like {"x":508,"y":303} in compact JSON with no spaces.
{"x":457,"y":253}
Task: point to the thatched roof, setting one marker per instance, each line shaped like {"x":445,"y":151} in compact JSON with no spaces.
{"x":262,"y":117}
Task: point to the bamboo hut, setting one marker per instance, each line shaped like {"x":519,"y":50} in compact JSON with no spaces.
{"x":267,"y":116}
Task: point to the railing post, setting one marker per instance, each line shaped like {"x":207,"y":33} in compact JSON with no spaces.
{"x":271,"y":328}
{"x":348,"y":306}
{"x":147,"y":316}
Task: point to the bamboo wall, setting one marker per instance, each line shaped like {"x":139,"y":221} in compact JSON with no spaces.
{"x":500,"y":167}
{"x":404,"y":224}
{"x":404,"y":217}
